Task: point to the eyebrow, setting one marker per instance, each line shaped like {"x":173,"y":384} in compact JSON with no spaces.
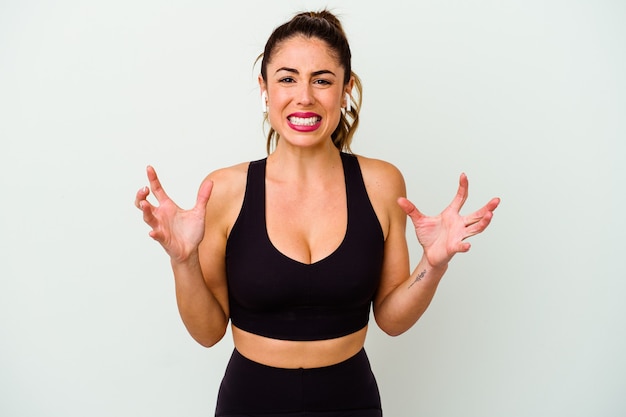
{"x":314,"y":73}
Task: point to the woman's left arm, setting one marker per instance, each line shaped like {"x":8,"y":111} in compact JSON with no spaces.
{"x":402,"y":297}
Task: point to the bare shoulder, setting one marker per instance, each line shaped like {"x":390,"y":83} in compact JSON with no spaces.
{"x":382,"y":178}
{"x":384,"y":184}
{"x":229,"y":186}
{"x":228,"y":177}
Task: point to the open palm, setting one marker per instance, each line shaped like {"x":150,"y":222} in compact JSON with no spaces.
{"x":444,"y":235}
{"x":178,"y":231}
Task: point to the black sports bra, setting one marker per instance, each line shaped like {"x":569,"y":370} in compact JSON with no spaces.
{"x":275,"y":296}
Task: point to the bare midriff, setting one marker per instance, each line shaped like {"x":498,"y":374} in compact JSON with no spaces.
{"x":297,"y":354}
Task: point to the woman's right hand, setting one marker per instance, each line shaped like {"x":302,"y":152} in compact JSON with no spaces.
{"x":178,"y":231}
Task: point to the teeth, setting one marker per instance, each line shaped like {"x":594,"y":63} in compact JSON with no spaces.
{"x":304,"y":121}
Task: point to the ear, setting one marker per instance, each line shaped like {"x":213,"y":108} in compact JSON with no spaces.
{"x":349,"y":85}
{"x":263,"y":89}
{"x":348,"y":94}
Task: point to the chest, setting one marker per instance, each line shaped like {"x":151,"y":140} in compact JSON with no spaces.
{"x":321,"y":274}
{"x":263,"y":278}
{"x":306,"y":225}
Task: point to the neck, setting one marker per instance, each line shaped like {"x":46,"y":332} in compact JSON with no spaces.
{"x":296,"y":164}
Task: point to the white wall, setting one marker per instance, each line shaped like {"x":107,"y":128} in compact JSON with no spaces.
{"x":527,"y":97}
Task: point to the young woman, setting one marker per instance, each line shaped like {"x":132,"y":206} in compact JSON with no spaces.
{"x":293,"y":249}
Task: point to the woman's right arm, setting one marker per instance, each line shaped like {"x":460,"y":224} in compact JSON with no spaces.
{"x":195,"y":240}
{"x":202,"y":299}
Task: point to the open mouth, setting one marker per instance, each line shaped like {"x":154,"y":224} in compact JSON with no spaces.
{"x":304,"y":121}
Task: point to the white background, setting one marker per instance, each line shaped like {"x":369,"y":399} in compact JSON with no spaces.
{"x":528,"y":97}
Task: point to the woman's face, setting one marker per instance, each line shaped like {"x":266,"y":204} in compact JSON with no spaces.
{"x":305,"y":92}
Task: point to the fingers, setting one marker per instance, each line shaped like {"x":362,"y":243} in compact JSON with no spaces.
{"x":479,"y":214}
{"x":157,"y":189}
{"x":463,"y":247}
{"x":141,"y":195}
{"x":493,"y":204}
{"x":479,"y":226}
{"x":148,"y":213}
{"x":203,"y":194}
{"x":461,"y":194}
{"x":155,"y":185}
{"x":149,"y":217}
{"x":144,"y":205}
{"x":410,"y":209}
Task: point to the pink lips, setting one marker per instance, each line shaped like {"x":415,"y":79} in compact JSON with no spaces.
{"x":304,"y":127}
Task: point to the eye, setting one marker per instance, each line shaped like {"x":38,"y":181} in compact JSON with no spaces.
{"x":286,"y":80}
{"x":322,"y":82}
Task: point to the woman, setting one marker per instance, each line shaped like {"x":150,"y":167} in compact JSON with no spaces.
{"x":294,"y":248}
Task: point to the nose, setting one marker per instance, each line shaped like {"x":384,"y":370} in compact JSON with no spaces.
{"x":305,"y":95}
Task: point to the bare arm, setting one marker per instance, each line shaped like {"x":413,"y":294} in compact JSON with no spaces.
{"x":195,"y":244}
{"x":402,"y":297}
{"x":202,"y":306}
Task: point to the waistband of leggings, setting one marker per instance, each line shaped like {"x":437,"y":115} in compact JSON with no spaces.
{"x":361,"y":355}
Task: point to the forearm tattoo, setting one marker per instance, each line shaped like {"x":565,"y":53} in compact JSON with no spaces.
{"x":418,"y":277}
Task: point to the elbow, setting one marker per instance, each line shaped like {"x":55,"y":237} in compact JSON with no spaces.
{"x":392,"y":329}
{"x":208,"y":342}
{"x":393,"y":333}
{"x":209,"y":339}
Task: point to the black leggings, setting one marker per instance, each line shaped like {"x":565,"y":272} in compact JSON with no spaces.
{"x":251,"y":389}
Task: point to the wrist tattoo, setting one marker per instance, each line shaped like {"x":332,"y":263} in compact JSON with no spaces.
{"x":418,"y":277}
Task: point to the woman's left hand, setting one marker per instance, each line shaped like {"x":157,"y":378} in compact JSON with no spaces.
{"x":444,"y":235}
